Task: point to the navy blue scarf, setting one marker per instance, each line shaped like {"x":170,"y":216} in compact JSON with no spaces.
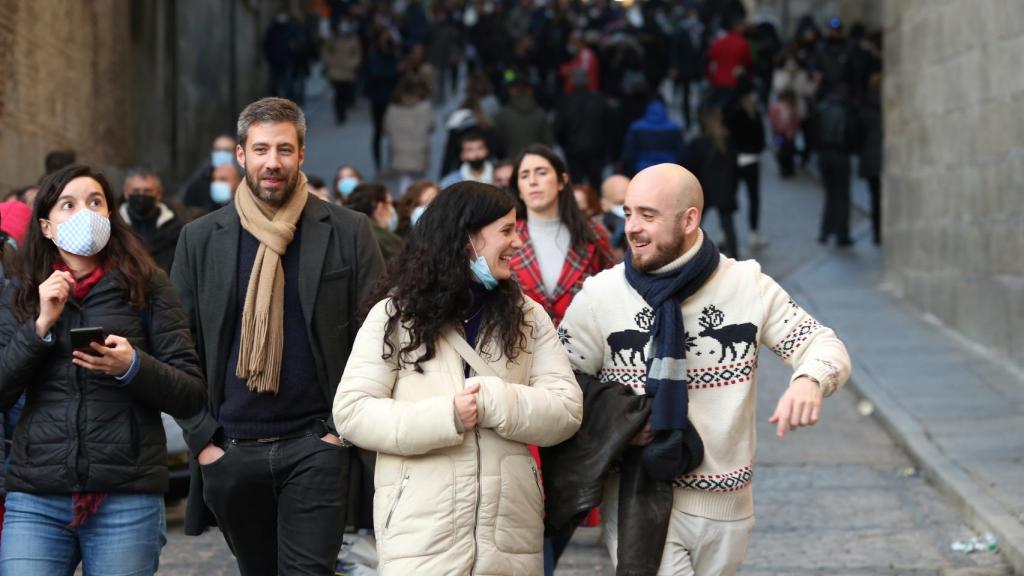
{"x":677,"y":447}
{"x":666,"y":366}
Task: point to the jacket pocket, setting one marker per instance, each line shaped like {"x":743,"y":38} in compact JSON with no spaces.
{"x":415,"y":516}
{"x":519,"y":527}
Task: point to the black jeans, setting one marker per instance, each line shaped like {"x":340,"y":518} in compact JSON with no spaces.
{"x":281,"y":506}
{"x":730,"y":245}
{"x":751,"y":177}
{"x":344,"y":93}
{"x":787,"y":158}
{"x":378,"y":109}
{"x":875,"y":187}
{"x":835,"y":175}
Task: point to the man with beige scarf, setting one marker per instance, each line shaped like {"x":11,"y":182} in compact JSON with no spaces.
{"x":271,"y":283}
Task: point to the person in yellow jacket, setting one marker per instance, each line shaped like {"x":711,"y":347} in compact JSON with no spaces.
{"x":453,"y":373}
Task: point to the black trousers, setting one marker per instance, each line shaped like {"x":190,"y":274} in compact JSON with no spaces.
{"x":730,"y":246}
{"x":344,"y":93}
{"x":835,"y":174}
{"x":875,"y":187}
{"x":281,"y":506}
{"x":751,"y":177}
{"x":687,"y":88}
{"x":378,"y":109}
{"x":787,"y":158}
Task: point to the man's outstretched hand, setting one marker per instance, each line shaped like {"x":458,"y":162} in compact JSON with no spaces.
{"x":799,"y":406}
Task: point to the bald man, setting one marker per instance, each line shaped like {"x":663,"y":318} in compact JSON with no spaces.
{"x":682,"y":324}
{"x":613,"y":194}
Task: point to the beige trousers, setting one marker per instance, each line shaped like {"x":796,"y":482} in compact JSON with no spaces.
{"x":695,"y":546}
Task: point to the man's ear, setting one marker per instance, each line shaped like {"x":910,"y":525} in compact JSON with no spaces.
{"x":691,"y":220}
{"x":240,"y":155}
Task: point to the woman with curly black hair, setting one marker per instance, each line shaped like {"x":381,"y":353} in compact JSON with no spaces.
{"x":453,"y":373}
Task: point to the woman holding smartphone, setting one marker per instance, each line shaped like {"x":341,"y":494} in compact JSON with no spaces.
{"x":87,"y":471}
{"x":452,"y":375}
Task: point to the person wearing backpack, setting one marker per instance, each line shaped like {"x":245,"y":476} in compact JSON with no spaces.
{"x":836,"y":139}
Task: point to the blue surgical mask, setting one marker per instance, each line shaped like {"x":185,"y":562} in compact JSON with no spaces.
{"x":84,"y":234}
{"x":222,"y":158}
{"x":481,"y":270}
{"x":619,"y":211}
{"x":417,"y":213}
{"x":220,"y":192}
{"x":346,"y":185}
{"x":393,"y":222}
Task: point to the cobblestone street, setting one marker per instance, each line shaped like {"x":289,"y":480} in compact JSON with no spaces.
{"x":839,"y":498}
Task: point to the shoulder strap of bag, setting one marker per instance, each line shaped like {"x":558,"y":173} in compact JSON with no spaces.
{"x":478,"y":364}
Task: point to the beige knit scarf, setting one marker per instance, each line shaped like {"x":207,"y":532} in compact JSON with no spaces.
{"x":260,"y":351}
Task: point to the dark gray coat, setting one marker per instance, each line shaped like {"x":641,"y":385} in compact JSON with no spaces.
{"x":83,"y":431}
{"x":339,"y":261}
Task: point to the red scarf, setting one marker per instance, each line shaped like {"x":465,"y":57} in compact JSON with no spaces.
{"x":84,"y":284}
{"x":84,"y":504}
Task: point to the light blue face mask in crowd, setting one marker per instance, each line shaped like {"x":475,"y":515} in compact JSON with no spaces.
{"x":619,"y":211}
{"x":417,"y":213}
{"x":220,"y":158}
{"x":84,"y":234}
{"x":220,"y":192}
{"x":347,"y":185}
{"x":481,"y":270}
{"x":393,"y":222}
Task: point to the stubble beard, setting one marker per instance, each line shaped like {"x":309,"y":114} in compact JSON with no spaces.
{"x":277,"y":198}
{"x":663,"y":256}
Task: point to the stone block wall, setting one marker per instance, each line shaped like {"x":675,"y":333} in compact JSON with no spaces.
{"x":953,"y":216}
{"x":124,"y":82}
{"x":61,"y":73}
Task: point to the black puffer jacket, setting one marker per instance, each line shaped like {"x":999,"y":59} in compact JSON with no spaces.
{"x":83,"y":431}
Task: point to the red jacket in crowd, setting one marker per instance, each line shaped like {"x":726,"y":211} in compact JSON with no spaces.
{"x":727,"y":57}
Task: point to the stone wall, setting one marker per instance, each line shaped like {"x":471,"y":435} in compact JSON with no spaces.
{"x":953,"y":215}
{"x":124,"y":82}
{"x":61,"y":84}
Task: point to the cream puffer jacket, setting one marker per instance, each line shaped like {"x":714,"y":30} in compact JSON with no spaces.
{"x":447,"y":502}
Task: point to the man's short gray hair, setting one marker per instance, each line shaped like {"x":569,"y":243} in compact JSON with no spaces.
{"x":271,"y":111}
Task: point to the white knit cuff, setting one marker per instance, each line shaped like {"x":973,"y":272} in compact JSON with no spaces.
{"x":823,"y":371}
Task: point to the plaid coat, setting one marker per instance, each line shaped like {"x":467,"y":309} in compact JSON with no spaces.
{"x":579,"y":265}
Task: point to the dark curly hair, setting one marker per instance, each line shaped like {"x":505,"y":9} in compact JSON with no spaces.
{"x":38,"y":253}
{"x":429,"y":280}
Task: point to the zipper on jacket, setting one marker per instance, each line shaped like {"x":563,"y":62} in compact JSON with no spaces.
{"x":536,"y":479}
{"x":401,"y":488}
{"x":78,"y":374}
{"x":476,"y":514}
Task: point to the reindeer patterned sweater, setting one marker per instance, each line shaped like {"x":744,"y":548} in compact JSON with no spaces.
{"x":606,"y":334}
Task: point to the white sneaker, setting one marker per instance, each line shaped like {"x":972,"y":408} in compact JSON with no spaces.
{"x":756,"y":241}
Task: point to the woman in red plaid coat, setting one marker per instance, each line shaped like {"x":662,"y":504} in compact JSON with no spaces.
{"x":561,"y":246}
{"x":561,"y":249}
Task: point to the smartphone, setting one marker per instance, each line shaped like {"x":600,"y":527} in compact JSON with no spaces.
{"x":82,"y":337}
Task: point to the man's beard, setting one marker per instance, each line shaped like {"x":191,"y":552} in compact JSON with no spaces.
{"x":273,"y":198}
{"x":662,"y":257}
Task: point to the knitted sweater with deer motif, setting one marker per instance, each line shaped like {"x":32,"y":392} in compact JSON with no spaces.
{"x":606,"y":332}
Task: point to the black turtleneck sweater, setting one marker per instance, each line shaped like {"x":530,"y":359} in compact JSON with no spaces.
{"x":299,"y":400}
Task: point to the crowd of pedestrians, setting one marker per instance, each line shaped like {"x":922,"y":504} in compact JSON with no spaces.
{"x":413,"y":353}
{"x":612,"y":89}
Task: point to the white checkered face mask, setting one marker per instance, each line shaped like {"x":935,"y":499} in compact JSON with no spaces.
{"x":84,"y":234}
